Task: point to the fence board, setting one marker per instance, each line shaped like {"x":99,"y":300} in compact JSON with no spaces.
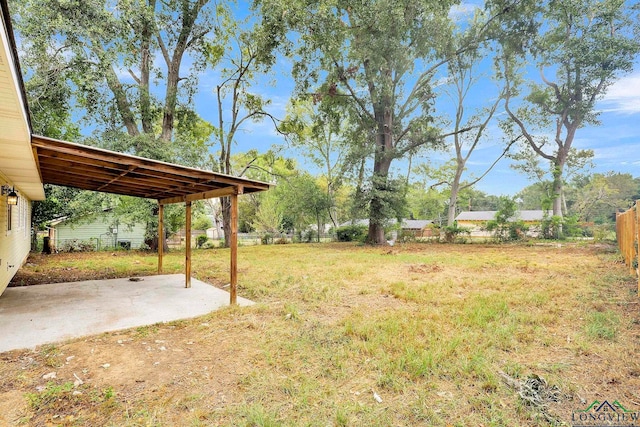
{"x":628,"y":236}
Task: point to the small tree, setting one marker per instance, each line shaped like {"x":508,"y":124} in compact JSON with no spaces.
{"x":506,"y":226}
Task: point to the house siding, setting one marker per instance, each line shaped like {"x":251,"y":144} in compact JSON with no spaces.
{"x":98,"y":229}
{"x":15,"y":243}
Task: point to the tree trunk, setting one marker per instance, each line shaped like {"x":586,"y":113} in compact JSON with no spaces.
{"x":153,"y":244}
{"x":170,"y":99}
{"x":453,"y":198}
{"x":557,"y":197}
{"x":558,"y":187}
{"x":381,"y":166}
{"x":124,"y":107}
{"x":453,"y":204}
{"x":225,"y":203}
{"x":146,"y":115}
{"x":189,"y":17}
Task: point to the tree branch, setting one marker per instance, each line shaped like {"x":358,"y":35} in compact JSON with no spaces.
{"x":132,"y":74}
{"x":504,"y":152}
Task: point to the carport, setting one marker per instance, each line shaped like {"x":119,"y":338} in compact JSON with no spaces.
{"x":90,"y":168}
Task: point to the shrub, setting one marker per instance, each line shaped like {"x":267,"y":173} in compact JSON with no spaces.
{"x":351,"y":233}
{"x":557,"y":227}
{"x":76,"y":245}
{"x":407,"y":236}
{"x":453,"y":232}
{"x":309,"y":236}
{"x":201,"y":240}
{"x":505,"y":227}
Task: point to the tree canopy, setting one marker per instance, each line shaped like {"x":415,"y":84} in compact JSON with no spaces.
{"x":581,"y":48}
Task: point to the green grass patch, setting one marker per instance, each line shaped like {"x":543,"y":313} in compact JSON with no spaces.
{"x":426,"y":328}
{"x":603,"y":325}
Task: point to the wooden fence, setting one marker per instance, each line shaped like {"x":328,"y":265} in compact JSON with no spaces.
{"x":627,"y":233}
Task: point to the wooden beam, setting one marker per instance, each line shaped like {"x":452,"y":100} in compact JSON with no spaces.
{"x":160,"y":237}
{"x":105,"y":171}
{"x":35,"y":157}
{"x":91,"y":168}
{"x":233,"y":242}
{"x":131,"y":169}
{"x":212,"y":194}
{"x":187,"y":241}
{"x":96,"y":155}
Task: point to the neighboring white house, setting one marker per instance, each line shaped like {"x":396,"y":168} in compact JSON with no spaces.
{"x":415,"y":227}
{"x":19,"y":171}
{"x":477,"y":220}
{"x":100,"y":230}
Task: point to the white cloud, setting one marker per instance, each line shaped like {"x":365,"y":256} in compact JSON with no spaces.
{"x":462,"y":11}
{"x":623,"y":96}
{"x":616,"y":152}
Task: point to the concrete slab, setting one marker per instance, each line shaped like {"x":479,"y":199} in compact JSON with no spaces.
{"x":36,"y":315}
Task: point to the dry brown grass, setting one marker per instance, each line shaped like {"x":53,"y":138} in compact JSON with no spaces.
{"x":427,"y":328}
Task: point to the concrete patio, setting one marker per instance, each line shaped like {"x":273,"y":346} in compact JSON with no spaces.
{"x":36,"y":315}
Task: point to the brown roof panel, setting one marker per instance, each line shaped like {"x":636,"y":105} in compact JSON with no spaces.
{"x":90,"y":168}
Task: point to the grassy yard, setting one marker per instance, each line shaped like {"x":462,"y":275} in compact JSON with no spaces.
{"x":343,"y":335}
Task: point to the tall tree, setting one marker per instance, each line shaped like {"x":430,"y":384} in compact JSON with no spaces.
{"x":120,"y":62}
{"x":464,"y":75}
{"x":585,"y":45}
{"x":320,"y":134}
{"x":599,"y":196}
{"x":241,"y":61}
{"x":108,"y":51}
{"x":380,"y":59}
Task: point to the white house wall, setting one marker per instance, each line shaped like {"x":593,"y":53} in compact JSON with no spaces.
{"x":15,"y":244}
{"x":17,"y":163}
{"x":98,"y":228}
{"x":18,"y":167}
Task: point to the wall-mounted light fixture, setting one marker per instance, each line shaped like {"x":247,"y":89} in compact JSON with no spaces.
{"x":11,"y":193}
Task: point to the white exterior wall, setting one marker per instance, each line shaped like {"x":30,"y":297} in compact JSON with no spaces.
{"x":99,"y":228}
{"x":15,"y":244}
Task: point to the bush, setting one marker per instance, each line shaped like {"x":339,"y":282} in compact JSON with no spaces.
{"x":76,"y":245}
{"x":407,"y":236}
{"x":309,"y":236}
{"x":351,"y":233}
{"x":603,"y":232}
{"x":509,"y":231}
{"x":453,"y":232}
{"x":210,"y":245}
{"x":557,"y":227}
{"x":201,"y":240}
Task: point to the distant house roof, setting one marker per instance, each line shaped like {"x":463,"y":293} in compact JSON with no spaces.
{"x":416,"y":224}
{"x":524,"y":215}
{"x":363,"y":222}
{"x":407,"y":224}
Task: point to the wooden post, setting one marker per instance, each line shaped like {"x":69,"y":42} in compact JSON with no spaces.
{"x":160,"y":237}
{"x":637,"y":239}
{"x":233,"y":242}
{"x":187,"y":240}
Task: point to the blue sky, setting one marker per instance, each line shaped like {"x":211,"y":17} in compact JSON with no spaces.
{"x":616,"y":142}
